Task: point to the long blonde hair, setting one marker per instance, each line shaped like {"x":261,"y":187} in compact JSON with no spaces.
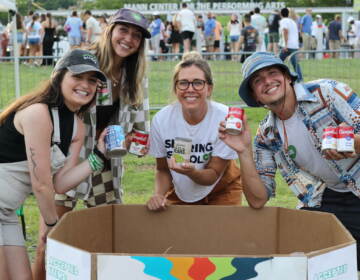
{"x":133,"y":66}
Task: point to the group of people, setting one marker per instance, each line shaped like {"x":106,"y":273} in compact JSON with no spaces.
{"x":35,"y":36}
{"x":53,"y":139}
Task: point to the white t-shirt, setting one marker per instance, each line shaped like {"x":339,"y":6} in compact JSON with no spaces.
{"x":169,"y":123}
{"x":306,"y":155}
{"x":293,"y":33}
{"x":34,"y":30}
{"x":259,"y":23}
{"x":187,"y":20}
{"x":235,"y":29}
{"x":94,"y":25}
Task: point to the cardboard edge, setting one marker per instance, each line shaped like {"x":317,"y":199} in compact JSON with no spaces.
{"x":93,"y":266}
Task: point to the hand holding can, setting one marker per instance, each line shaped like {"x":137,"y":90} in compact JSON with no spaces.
{"x":115,"y":141}
{"x":234,"y":120}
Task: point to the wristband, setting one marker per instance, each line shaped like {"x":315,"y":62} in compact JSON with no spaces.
{"x":95,"y":162}
{"x":50,"y":225}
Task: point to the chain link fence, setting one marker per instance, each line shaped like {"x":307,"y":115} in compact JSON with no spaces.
{"x":226,"y":68}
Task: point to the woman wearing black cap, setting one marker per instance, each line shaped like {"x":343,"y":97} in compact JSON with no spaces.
{"x":41,"y":135}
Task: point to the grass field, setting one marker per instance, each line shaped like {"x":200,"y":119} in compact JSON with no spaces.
{"x":139,"y":174}
{"x":227,"y":77}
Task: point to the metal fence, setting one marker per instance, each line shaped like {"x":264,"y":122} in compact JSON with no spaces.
{"x":225,"y":66}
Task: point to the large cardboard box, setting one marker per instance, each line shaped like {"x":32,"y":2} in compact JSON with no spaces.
{"x":127,"y":242}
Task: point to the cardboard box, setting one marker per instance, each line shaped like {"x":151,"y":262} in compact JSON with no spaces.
{"x":200,"y":242}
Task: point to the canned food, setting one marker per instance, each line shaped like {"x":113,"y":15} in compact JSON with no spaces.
{"x":234,"y":120}
{"x":115,"y":141}
{"x":345,"y":140}
{"x":182,"y":149}
{"x":139,"y":142}
{"x":329,"y":138}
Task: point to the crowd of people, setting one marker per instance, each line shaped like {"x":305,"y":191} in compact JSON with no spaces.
{"x":185,"y":31}
{"x":53,"y":138}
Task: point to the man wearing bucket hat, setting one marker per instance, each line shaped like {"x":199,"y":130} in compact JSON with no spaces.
{"x":290,"y":136}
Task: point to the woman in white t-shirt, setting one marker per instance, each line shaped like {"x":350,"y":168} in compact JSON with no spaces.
{"x":211,"y":175}
{"x":234,"y":28}
{"x":34,"y":32}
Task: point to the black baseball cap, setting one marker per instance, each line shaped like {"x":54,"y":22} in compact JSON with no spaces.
{"x":79,"y":61}
{"x":133,"y":17}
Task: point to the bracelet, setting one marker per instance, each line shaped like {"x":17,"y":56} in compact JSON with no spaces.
{"x":97,"y":152}
{"x":95,"y":162}
{"x":51,"y":225}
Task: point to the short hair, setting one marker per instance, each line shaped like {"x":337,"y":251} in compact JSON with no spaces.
{"x":284,"y":12}
{"x":247,"y":18}
{"x":337,"y":17}
{"x":257,"y":10}
{"x":87,"y":12}
{"x":74,"y":14}
{"x":184,"y":5}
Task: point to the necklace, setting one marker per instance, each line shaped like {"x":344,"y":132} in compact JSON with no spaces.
{"x":290,"y":149}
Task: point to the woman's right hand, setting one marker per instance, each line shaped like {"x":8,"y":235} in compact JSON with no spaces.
{"x":156,"y":202}
{"x":239,"y":143}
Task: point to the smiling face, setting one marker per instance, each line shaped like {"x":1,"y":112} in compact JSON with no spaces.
{"x":269,"y":86}
{"x":126,"y":39}
{"x":78,"y":89}
{"x":192,"y":99}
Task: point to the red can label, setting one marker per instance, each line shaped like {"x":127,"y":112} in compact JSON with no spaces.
{"x":345,"y":139}
{"x":139,"y":142}
{"x":234,"y":120}
{"x":329,"y":138}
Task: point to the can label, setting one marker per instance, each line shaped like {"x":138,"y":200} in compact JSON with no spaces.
{"x":182,"y":149}
{"x":329,"y":138}
{"x":115,"y":141}
{"x":234,"y":120}
{"x":139,"y":142}
{"x":345,"y":139}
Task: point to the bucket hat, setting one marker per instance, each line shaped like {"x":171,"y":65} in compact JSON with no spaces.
{"x":256,"y":62}
{"x":133,"y":17}
{"x":79,"y":61}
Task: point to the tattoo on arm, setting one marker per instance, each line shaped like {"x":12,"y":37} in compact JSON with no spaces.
{"x":32,"y":154}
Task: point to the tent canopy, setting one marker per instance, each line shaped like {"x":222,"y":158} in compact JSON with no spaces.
{"x":6,"y":5}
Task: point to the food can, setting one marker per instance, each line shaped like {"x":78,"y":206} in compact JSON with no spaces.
{"x":139,"y":142}
{"x":182,"y":149}
{"x":329,"y":138}
{"x":345,"y":139}
{"x":115,"y":141}
{"x":234,"y":120}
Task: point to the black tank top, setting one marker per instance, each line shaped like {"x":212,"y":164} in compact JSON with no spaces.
{"x":12,"y":143}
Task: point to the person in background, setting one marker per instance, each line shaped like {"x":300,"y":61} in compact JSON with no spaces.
{"x":249,"y":38}
{"x":155,"y":30}
{"x":20,"y":34}
{"x":335,"y":35}
{"x":187,"y":23}
{"x":289,"y":40}
{"x":103,"y":22}
{"x":93,"y":29}
{"x":305,"y":31}
{"x":351,"y":34}
{"x":211,"y":176}
{"x":258,"y":21}
{"x":218,"y":33}
{"x":122,"y":101}
{"x":41,"y":135}
{"x":209,"y":33}
{"x":73,"y":27}
{"x":49,"y":27}
{"x":34,"y":31}
{"x":290,"y":139}
{"x":274,"y":24}
{"x":318,"y":31}
{"x":234,"y":28}
{"x":175,"y":37}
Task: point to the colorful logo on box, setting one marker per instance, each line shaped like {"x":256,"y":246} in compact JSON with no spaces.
{"x":177,"y":268}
